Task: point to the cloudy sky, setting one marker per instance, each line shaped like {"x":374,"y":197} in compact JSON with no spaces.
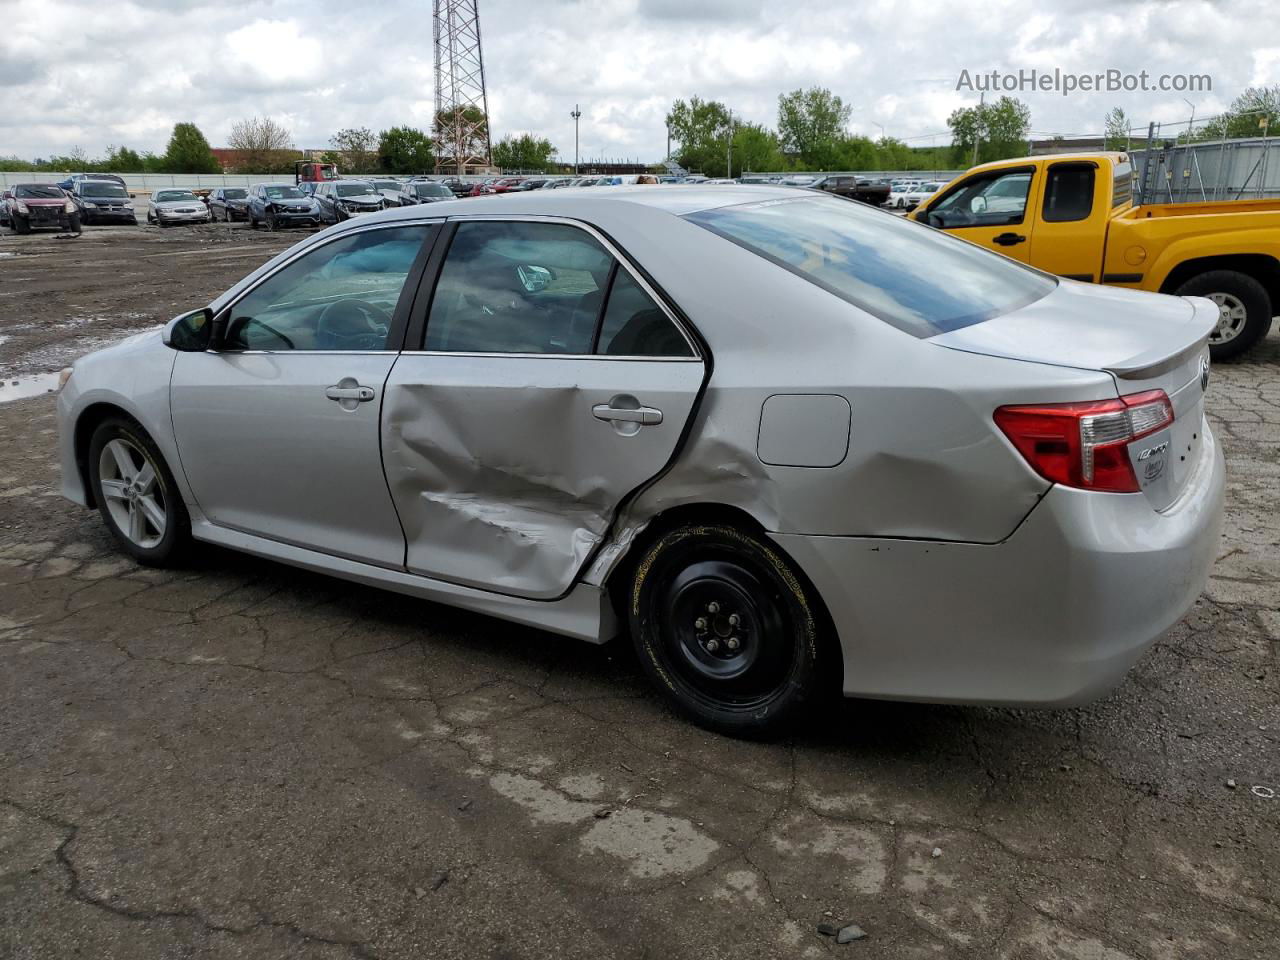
{"x":87,"y":73}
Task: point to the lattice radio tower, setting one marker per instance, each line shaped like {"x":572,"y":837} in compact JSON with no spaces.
{"x":461,"y":129}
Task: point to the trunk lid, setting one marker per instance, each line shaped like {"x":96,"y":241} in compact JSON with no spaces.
{"x":1145,"y":341}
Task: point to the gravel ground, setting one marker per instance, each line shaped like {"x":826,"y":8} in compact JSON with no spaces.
{"x":243,"y":760}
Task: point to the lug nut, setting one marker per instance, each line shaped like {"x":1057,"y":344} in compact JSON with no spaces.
{"x":732,"y":643}
{"x":713,"y":607}
{"x":713,"y":645}
{"x":700,"y":623}
{"x":733,"y":620}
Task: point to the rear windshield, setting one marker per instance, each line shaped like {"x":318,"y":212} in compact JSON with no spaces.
{"x":101,"y":189}
{"x":915,"y":278}
{"x":38,"y":191}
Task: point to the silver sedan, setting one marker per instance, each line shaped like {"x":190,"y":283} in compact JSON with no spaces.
{"x":784,"y":441}
{"x":176,"y":206}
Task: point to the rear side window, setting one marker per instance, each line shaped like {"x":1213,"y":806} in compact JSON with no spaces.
{"x":921,"y":281}
{"x":635,"y":326}
{"x":1068,"y":192}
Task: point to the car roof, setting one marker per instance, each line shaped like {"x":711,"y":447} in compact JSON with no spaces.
{"x":676,"y":199}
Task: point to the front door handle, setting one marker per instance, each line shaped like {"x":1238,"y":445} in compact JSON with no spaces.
{"x":645,"y":416}
{"x":358,"y":394}
{"x":1008,"y":239}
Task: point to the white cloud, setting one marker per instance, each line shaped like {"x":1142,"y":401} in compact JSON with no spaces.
{"x":125,"y":72}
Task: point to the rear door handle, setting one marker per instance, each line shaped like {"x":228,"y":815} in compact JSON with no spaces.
{"x":643,"y":415}
{"x":1008,"y":239}
{"x":358,"y":394}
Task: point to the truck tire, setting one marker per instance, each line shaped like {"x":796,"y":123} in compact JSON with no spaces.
{"x":1246,"y":310}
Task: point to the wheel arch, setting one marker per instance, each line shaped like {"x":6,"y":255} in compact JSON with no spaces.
{"x":618,"y":579}
{"x":1260,"y":266}
{"x":86,"y":423}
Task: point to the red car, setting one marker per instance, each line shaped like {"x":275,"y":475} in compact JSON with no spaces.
{"x":29,"y":205}
{"x":505,"y":184}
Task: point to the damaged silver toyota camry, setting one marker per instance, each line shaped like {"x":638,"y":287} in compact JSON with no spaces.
{"x":783,"y":440}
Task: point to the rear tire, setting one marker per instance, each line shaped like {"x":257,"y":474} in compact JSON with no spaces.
{"x":725,"y":629}
{"x":136,"y":494}
{"x":1245,"y":310}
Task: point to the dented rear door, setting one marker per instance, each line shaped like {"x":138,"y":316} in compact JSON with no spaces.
{"x":551,"y":383}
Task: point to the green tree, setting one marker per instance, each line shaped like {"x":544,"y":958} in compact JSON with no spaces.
{"x":853,"y":153}
{"x":464,"y":131}
{"x":701,"y":129}
{"x":755,"y":148}
{"x":1246,"y":114}
{"x":122,"y":160}
{"x":358,"y":147}
{"x":188,"y":151}
{"x":999,"y":129}
{"x":811,"y":126}
{"x":525,"y":152}
{"x":1116,"y":133}
{"x":404,"y":150}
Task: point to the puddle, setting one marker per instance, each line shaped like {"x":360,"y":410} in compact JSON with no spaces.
{"x":20,"y":388}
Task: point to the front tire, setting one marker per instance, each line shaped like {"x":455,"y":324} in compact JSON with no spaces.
{"x":1245,"y":310}
{"x":73,"y":224}
{"x":136,"y":494}
{"x":272,"y":223}
{"x":725,"y":629}
{"x":20,"y":225}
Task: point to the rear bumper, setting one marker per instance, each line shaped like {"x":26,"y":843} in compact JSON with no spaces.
{"x":1053,"y":616}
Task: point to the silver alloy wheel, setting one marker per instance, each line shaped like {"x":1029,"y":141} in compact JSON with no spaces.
{"x":132,"y":493}
{"x":1232,"y":317}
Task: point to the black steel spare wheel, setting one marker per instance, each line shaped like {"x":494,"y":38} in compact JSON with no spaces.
{"x":725,"y":628}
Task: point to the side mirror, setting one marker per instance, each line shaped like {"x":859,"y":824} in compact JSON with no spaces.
{"x":978,"y":205}
{"x":191,"y":332}
{"x":533,"y":278}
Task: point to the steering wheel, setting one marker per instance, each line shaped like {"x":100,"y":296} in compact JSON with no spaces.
{"x":352,"y":324}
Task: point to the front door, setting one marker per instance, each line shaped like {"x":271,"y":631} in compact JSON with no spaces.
{"x":989,"y":209}
{"x":278,"y":430}
{"x":550,"y":385}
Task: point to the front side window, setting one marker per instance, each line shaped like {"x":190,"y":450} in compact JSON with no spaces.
{"x":542,"y":288}
{"x":918,"y":280}
{"x":992,"y":200}
{"x":339,"y":296}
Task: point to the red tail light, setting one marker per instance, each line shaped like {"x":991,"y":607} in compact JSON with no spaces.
{"x":1085,"y":445}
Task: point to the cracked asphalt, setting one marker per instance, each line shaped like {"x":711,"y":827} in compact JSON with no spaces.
{"x":243,"y":760}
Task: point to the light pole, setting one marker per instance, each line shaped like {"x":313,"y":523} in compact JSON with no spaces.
{"x":576,"y":114}
{"x":881,"y":126}
{"x":728,"y":158}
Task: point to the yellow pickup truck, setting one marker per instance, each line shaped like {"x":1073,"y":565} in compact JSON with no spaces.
{"x":1073,"y":215}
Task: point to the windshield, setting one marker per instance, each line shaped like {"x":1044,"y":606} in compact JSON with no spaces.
{"x":163,"y":196}
{"x":38,"y":191}
{"x":283,"y":193}
{"x":432,"y":190}
{"x":102,"y":189}
{"x":386,"y":185}
{"x":234,"y":194}
{"x":354,"y":189}
{"x":919,"y":280}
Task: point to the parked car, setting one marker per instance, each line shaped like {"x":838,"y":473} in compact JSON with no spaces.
{"x":281,"y":205}
{"x":627,"y":179}
{"x":482,"y":187}
{"x":919,"y":194}
{"x":173,"y":205}
{"x":424,"y":191}
{"x":799,"y":180}
{"x":459,"y":186}
{"x":1075,"y":216}
{"x":898,"y":193}
{"x":530,"y":183}
{"x":69,"y":183}
{"x":103,"y":201}
{"x":503,"y":184}
{"x":390,"y":189}
{"x":945,"y":477}
{"x":343,"y":199}
{"x":32,"y":206}
{"x":874,"y":192}
{"x":229,"y":203}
